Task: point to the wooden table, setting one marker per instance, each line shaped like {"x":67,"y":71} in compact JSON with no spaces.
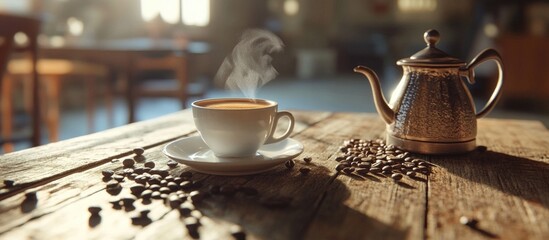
{"x":505,"y":188}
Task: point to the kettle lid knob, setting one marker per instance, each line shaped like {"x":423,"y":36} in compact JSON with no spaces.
{"x":431,"y":37}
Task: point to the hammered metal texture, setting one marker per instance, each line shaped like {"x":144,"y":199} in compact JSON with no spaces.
{"x":433,"y":104}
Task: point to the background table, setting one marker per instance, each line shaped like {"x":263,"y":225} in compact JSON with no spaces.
{"x":506,"y":188}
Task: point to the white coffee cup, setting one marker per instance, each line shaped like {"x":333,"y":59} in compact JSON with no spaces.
{"x":238,"y":127}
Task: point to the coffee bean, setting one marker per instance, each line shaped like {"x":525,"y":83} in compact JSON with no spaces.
{"x":94,"y":210}
{"x":140,"y":179}
{"x":156,"y":195}
{"x":186,"y":185}
{"x":196,"y":196}
{"x":146,"y":194}
{"x":396,"y":176}
{"x":138,"y":151}
{"x":163,"y":183}
{"x":147,"y":169}
{"x":290,"y":164}
{"x":364,"y":165}
{"x":191,"y":223}
{"x":304,"y":170}
{"x":408,"y":159}
{"x":481,"y":149}
{"x":139,"y":158}
{"x":471,"y":222}
{"x":237,"y":232}
{"x":161,"y":172}
{"x":177,"y":180}
{"x":144,"y":213}
{"x":196,"y":214}
{"x":340,"y":167}
{"x":348,"y":170}
{"x":409,"y":164}
{"x":116,"y":204}
{"x":339,"y":158}
{"x":137,"y":189}
{"x":154,"y":187}
{"x":128,"y":201}
{"x":154,"y":180}
{"x":141,"y":221}
{"x":186,"y":208}
{"x":128,"y":162}
{"x":118,"y":178}
{"x":174,"y":201}
{"x":128,"y":171}
{"x":362,"y":171}
{"x":375,"y":169}
{"x":107,"y":173}
{"x":186,"y":175}
{"x":386,"y":168}
{"x":165,"y":190}
{"x":411,"y":174}
{"x":113,"y":184}
{"x":9,"y":183}
{"x":386,"y":172}
{"x":172,"y":164}
{"x":307,"y":159}
{"x":172,"y":186}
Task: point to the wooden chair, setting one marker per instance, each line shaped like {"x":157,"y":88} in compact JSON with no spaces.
{"x":148,"y":71}
{"x":9,"y":26}
{"x":51,"y":73}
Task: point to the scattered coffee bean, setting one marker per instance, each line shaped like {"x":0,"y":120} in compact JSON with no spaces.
{"x":174,"y":201}
{"x":138,"y":151}
{"x":339,"y":159}
{"x":31,"y":196}
{"x":137,"y":189}
{"x":307,"y":159}
{"x":116,"y":204}
{"x":9,"y":183}
{"x":396,"y":176}
{"x":128,"y":162}
{"x":362,"y":171}
{"x":172,"y":186}
{"x":196,"y":196}
{"x":128,"y":201}
{"x":107,"y":173}
{"x":348,"y":170}
{"x":172,"y":164}
{"x":411,"y":174}
{"x":304,"y":170}
{"x":340,"y":167}
{"x":186,"y":185}
{"x":237,"y":232}
{"x":161,"y":172}
{"x":186,"y":208}
{"x":113,"y":184}
{"x":146,"y":194}
{"x":139,"y":158}
{"x":94,"y":210}
{"x":156,"y":195}
{"x":191,"y":223}
{"x":154,"y":187}
{"x":290,"y":164}
{"x":118,"y":178}
{"x":471,"y":222}
{"x":164,"y":190}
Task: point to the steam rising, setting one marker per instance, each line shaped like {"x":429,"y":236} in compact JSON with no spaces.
{"x":249,"y":66}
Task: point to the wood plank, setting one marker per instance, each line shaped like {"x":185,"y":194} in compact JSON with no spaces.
{"x":72,"y":194}
{"x":371,"y":207}
{"x":505,"y":188}
{"x":31,"y":166}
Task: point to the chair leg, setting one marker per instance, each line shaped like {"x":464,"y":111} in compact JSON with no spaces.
{"x":52,"y":110}
{"x":90,"y":103}
{"x":7,"y":112}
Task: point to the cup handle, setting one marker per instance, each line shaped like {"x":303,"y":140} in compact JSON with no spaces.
{"x":271,"y":138}
{"x":488,"y":54}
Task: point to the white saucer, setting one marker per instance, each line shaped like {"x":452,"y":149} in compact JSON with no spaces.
{"x":193,"y":152}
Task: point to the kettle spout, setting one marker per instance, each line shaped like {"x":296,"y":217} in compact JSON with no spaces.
{"x":387,"y":114}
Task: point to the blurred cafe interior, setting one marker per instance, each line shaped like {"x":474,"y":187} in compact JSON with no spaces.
{"x":102,"y":63}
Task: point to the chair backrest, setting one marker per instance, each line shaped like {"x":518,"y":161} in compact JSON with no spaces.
{"x":10,"y":25}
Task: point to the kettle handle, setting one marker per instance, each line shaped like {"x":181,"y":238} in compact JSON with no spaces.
{"x":487,"y":54}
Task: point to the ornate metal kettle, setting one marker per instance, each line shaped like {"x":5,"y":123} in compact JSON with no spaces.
{"x":431,"y":110}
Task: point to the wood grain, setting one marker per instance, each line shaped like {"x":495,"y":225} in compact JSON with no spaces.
{"x":505,"y":188}
{"x":71,"y":195}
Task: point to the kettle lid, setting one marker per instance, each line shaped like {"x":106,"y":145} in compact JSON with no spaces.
{"x":431,"y":56}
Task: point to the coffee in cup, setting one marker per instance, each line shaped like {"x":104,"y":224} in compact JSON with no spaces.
{"x":238,"y":127}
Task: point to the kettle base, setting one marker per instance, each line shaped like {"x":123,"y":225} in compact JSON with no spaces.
{"x":432,"y":147}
